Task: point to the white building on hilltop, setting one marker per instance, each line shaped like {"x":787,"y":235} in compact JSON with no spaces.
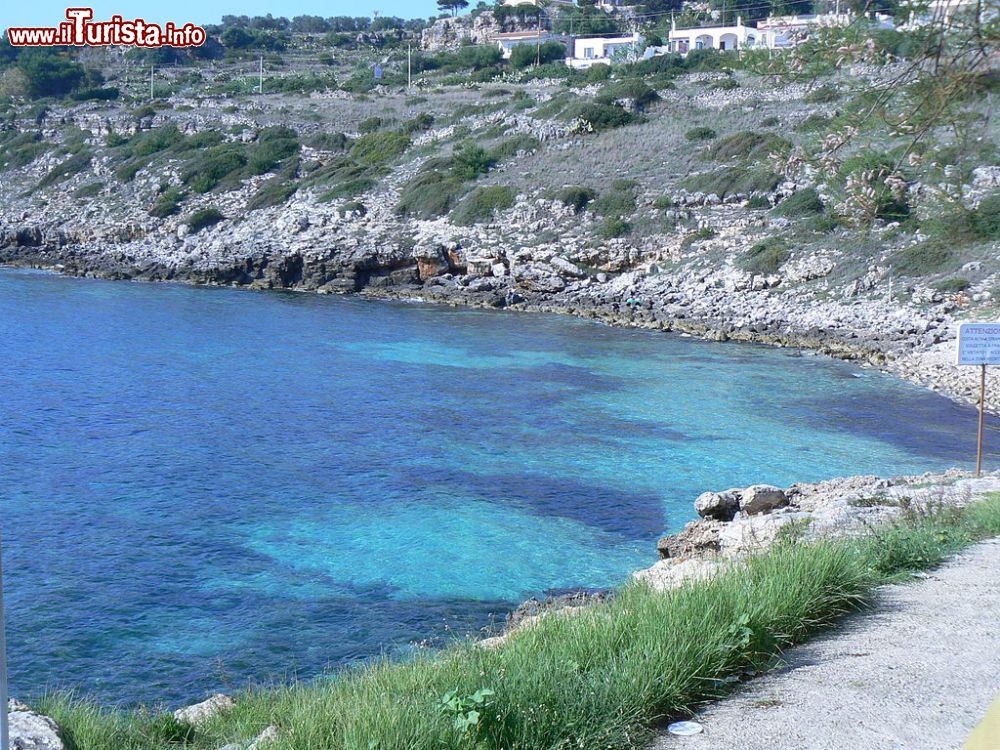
{"x":603,"y":50}
{"x":735,"y":37}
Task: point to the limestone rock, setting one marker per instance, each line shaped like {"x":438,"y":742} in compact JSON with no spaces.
{"x":671,"y":574}
{"x":699,"y":538}
{"x":762,"y":498}
{"x":722,"y":506}
{"x":199,"y":713}
{"x":755,"y":533}
{"x":263,"y":740}
{"x":30,"y":730}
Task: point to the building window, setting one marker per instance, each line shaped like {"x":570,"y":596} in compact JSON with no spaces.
{"x":588,"y":53}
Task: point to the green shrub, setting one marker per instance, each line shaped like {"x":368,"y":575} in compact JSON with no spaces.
{"x":882,"y":165}
{"x":823,"y":95}
{"x":733,"y":180}
{"x":355,"y":207}
{"x":633,"y":90}
{"x":598,"y":73}
{"x":154,"y":141}
{"x":89,"y":190}
{"x":273,"y":146}
{"x":613,"y":227}
{"x":758,"y":202}
{"x":479,"y":57}
{"x":726,"y":84}
{"x":380,"y":148}
{"x":203,"y":218}
{"x":814,"y":122}
{"x":748,"y":145}
{"x":804,"y":202}
{"x":371,"y":125}
{"x":922,"y":259}
{"x":706,"y":60}
{"x":220,"y":163}
{"x":525,"y":55}
{"x":349,"y":189}
{"x":700,"y":133}
{"x":429,"y":195}
{"x":470,"y":161}
{"x":601,"y":117}
{"x":330,"y":142}
{"x":511,"y":147}
{"x":67,"y":168}
{"x":48,"y":73}
{"x":765,"y":258}
{"x":577,"y":197}
{"x":953,"y":286}
{"x":615,"y":203}
{"x":705,"y":233}
{"x":663,"y":202}
{"x":274,"y":192}
{"x":421,"y":122}
{"x":168,"y":203}
{"x":482,"y":204}
{"x":770,"y":122}
{"x":21,"y":150}
{"x":986,"y":218}
{"x":127,"y":171}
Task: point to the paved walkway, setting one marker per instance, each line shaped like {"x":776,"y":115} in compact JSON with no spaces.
{"x":917,"y":673}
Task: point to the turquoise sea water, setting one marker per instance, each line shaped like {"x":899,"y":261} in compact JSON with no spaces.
{"x":201,"y":487}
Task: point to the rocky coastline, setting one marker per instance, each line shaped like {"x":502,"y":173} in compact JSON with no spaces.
{"x":723,"y":305}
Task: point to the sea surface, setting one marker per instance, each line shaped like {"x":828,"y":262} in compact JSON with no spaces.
{"x":204,"y":487}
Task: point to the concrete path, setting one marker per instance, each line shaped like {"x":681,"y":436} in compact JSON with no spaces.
{"x":917,"y":673}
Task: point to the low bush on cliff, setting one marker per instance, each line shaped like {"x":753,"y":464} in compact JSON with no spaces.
{"x":765,"y":258}
{"x":729,"y":181}
{"x":204,"y":218}
{"x":168,"y":203}
{"x":578,"y":198}
{"x":606,"y":677}
{"x":805,"y":202}
{"x":481,"y":205}
{"x":65,"y":169}
{"x":21,"y":149}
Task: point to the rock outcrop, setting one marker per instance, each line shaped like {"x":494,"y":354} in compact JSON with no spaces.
{"x":30,"y":730}
{"x":200,"y":713}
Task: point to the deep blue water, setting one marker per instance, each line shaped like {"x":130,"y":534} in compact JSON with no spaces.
{"x":202,"y":486}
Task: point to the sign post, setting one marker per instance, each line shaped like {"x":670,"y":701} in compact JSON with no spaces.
{"x":979,"y":346}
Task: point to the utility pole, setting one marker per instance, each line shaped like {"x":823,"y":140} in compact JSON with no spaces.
{"x":538,"y":40}
{"x":4,"y":726}
{"x":260,"y":82}
{"x":151,"y":67}
{"x":409,"y":66}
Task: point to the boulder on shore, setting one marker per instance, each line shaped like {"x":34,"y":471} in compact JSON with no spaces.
{"x":722,"y":506}
{"x":199,"y":713}
{"x":762,"y":498}
{"x":30,"y":730}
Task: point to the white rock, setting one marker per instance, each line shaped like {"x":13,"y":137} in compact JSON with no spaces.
{"x":30,"y":730}
{"x":199,"y":713}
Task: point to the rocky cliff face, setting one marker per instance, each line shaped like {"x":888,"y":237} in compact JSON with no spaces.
{"x":452,"y":33}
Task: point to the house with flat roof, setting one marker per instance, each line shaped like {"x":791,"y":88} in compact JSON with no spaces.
{"x":603,"y":50}
{"x":735,"y":37}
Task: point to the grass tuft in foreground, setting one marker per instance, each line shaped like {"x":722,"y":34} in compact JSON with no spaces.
{"x":601,"y":679}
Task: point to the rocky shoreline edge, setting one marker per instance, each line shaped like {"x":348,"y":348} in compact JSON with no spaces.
{"x":912,"y":344}
{"x":732,"y":524}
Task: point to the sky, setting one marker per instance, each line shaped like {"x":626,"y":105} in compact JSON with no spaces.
{"x":51,"y":12}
